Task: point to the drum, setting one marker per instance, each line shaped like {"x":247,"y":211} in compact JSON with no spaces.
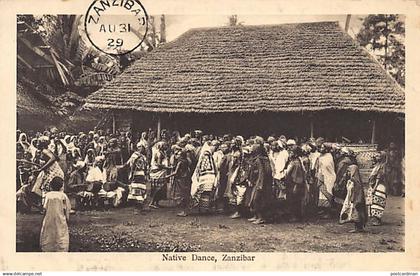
{"x":205,"y":201}
{"x":94,"y":187}
{"x":110,"y":186}
{"x":137,"y":192}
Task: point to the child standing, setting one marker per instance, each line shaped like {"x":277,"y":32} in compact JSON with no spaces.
{"x":54,"y":232}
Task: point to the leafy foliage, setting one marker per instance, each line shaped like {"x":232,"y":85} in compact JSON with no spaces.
{"x":384,"y":35}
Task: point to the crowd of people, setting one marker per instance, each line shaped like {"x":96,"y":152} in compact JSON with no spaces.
{"x":256,"y":179}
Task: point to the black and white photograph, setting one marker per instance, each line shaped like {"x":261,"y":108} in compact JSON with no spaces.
{"x":234,"y":133}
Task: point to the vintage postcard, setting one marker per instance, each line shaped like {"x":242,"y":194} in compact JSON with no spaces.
{"x":223,"y":135}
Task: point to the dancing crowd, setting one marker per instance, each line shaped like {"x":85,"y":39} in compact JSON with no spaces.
{"x":255,"y":178}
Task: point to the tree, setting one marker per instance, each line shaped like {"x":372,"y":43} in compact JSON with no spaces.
{"x":384,"y":35}
{"x":72,"y":64}
{"x":233,"y":21}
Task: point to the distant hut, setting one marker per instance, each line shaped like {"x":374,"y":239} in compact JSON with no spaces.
{"x":306,"y":79}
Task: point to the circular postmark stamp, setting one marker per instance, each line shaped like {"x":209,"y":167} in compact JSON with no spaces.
{"x":116,"y":27}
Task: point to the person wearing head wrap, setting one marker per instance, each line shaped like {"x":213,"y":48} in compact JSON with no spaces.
{"x":313,"y":159}
{"x":393,"y":170}
{"x":175,"y":137}
{"x":23,"y":141}
{"x":101,"y":145}
{"x":124,"y":147}
{"x":343,"y":162}
{"x":113,"y":158}
{"x":95,"y":139}
{"x":77,"y":177}
{"x":204,"y":179}
{"x":295,"y":180}
{"x":90,"y":135}
{"x":170,"y":191}
{"x":90,"y":157}
{"x":354,"y":206}
{"x":271,"y":139}
{"x":95,"y":178}
{"x":279,"y":159}
{"x":319,"y":141}
{"x":181,"y":181}
{"x":310,"y":195}
{"x":260,"y":180}
{"x":218,"y":154}
{"x":50,"y":170}
{"x":291,"y":144}
{"x":325,"y":178}
{"x":403,"y":176}
{"x":222,"y":175}
{"x":33,"y":147}
{"x":198,"y":134}
{"x":159,"y":168}
{"x":259,"y":140}
{"x":378,"y":189}
{"x":138,"y":175}
{"x":66,"y":140}
{"x":241,"y":184}
{"x":54,"y":236}
{"x":239,"y":141}
{"x":233,"y":162}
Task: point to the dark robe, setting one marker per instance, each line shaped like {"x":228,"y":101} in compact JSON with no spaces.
{"x":182,"y":182}
{"x":295,"y":187}
{"x":393,"y":171}
{"x":357,"y":198}
{"x":261,"y":179}
{"x":339,"y":189}
{"x":223,"y":177}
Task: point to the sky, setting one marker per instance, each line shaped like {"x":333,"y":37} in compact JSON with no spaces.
{"x":178,"y":24}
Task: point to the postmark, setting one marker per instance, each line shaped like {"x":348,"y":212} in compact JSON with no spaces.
{"x":116,"y":27}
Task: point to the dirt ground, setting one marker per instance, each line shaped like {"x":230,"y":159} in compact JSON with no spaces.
{"x":128,"y":229}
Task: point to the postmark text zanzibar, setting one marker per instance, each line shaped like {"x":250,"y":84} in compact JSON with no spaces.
{"x":116,"y":26}
{"x":201,"y":257}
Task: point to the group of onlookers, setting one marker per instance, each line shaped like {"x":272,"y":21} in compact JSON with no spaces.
{"x":255,"y":178}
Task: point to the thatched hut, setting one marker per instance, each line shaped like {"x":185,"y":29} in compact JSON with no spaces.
{"x":307,"y":79}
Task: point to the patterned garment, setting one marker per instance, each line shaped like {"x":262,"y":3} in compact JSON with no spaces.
{"x":203,"y":180}
{"x":137,"y":192}
{"x":378,"y":201}
{"x":52,"y":171}
{"x":240,"y":194}
{"x":204,"y":177}
{"x":349,"y":212}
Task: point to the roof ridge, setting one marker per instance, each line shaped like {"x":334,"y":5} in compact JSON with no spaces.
{"x":372,"y":58}
{"x":262,"y":25}
{"x":263,"y":68}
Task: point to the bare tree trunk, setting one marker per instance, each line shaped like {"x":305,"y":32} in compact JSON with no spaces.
{"x":162,"y":29}
{"x":346,"y":28}
{"x":386,"y":42}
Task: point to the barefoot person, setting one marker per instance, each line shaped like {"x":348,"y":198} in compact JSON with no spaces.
{"x":261,"y":179}
{"x":204,"y":178}
{"x":295,"y":185}
{"x":182,"y":181}
{"x":54,"y":232}
{"x":50,"y":169}
{"x":158,"y":171}
{"x":325,"y":176}
{"x":377,"y":182}
{"x":354,"y":206}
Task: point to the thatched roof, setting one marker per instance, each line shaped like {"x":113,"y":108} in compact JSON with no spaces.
{"x":28,"y":104}
{"x":36,"y":112}
{"x":290,"y":67}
